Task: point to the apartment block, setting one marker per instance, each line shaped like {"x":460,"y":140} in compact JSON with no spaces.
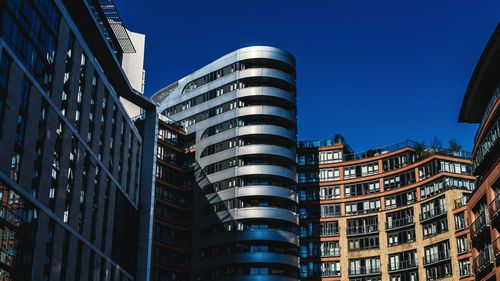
{"x":481,"y":105}
{"x":392,"y":213}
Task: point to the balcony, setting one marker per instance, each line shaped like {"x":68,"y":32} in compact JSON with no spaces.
{"x":483,"y":158}
{"x":496,"y":247}
{"x":433,"y":213}
{"x":460,"y":202}
{"x":363,"y":270}
{"x":330,"y":273}
{"x":436,"y":258}
{"x":362,"y":230}
{"x":399,"y":223}
{"x":329,"y":232}
{"x":495,"y":207}
{"x":330,"y":252}
{"x":483,"y":260}
{"x":402,"y":265}
{"x":480,"y":224}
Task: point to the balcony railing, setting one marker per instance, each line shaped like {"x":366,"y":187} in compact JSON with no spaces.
{"x":402,"y":265}
{"x":330,"y":272}
{"x":437,"y":257}
{"x":433,"y":213}
{"x":489,"y":141}
{"x":483,"y":260}
{"x":363,"y":229}
{"x":330,"y":252}
{"x":329,"y":232}
{"x":399,"y":223}
{"x":480,"y":224}
{"x":495,"y":207}
{"x":364,"y":270}
{"x":460,"y":202}
{"x":496,"y":247}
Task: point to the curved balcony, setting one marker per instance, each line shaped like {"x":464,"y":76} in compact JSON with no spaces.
{"x":254,"y":257}
{"x":252,"y":213}
{"x":271,"y":170}
{"x":249,"y":130}
{"x":253,"y":191}
{"x":251,"y":149}
{"x":254,"y":235}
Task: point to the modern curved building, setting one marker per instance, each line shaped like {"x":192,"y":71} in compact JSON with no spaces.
{"x":242,"y":110}
{"x":481,"y":105}
{"x":394,"y":213}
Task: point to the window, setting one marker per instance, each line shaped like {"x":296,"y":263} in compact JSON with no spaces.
{"x":432,"y":209}
{"x":464,"y":267}
{"x":362,"y":188}
{"x":364,"y":266}
{"x":362,"y":225}
{"x":329,"y":228}
{"x":399,"y":180}
{"x":329,"y":174}
{"x":398,"y":161}
{"x":329,"y":192}
{"x":330,"y":268}
{"x":400,"y":199}
{"x":460,"y":221}
{"x":462,"y":244}
{"x":351,"y":172}
{"x":363,"y":243}
{"x":399,"y":219}
{"x":330,"y":210}
{"x":362,"y":207}
{"x":435,"y":227}
{"x":437,"y":252}
{"x":400,"y":237}
{"x":403,"y":260}
{"x":330,"y":156}
{"x":328,"y":249}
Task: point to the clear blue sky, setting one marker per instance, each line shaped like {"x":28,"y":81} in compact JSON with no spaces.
{"x":376,"y":72}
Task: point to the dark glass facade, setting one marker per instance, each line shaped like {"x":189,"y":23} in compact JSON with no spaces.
{"x":70,"y":165}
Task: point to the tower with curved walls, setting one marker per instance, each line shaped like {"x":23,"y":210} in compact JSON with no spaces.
{"x":242,"y":110}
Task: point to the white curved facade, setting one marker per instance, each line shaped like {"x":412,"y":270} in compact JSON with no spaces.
{"x":242,"y":110}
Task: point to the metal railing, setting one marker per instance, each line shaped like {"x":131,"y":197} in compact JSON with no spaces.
{"x":402,"y":265}
{"x":494,"y":206}
{"x":484,"y":148}
{"x":329,"y":232}
{"x":362,"y":229}
{"x":462,"y":201}
{"x":480,"y":223}
{"x":330,"y":252}
{"x":398,"y":223}
{"x":330,"y":272}
{"x":364,"y":270}
{"x":496,"y":246}
{"x":485,"y":258}
{"x":437,"y":257}
{"x":433,"y":213}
